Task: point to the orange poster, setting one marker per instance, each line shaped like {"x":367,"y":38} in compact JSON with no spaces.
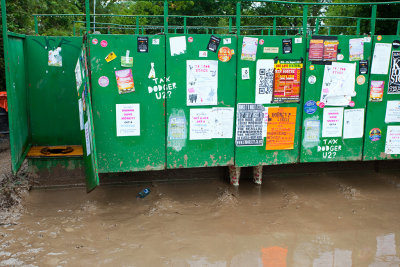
{"x":281,"y":128}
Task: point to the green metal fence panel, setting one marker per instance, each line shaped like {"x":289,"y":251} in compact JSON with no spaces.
{"x":129,"y":125}
{"x":17,"y":101}
{"x":200,"y":100}
{"x":335,"y":98}
{"x":269,"y":51}
{"x":52,"y":90}
{"x":382,"y":116}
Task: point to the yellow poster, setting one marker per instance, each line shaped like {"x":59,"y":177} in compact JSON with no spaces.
{"x":281,"y":128}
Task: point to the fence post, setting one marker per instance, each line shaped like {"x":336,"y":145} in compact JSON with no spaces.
{"x":36,"y":25}
{"x":238,"y":10}
{"x":398,"y":28}
{"x":73,"y":29}
{"x":358,"y":26}
{"x":274,"y":27}
{"x":305,"y":12}
{"x":137,"y":25}
{"x":165,"y":16}
{"x":184,"y":24}
{"x":87,"y":5}
{"x":373,"y":19}
{"x":316,"y":26}
{"x":230,"y":24}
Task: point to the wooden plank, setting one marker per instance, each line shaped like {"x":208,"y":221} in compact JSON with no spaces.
{"x":55,"y":151}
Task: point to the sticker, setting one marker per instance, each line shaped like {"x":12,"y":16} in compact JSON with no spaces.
{"x":298,"y":40}
{"x":152,"y":73}
{"x":125,"y":81}
{"x":227,"y":41}
{"x":225,"y":54}
{"x":340,"y":57}
{"x":190,"y":39}
{"x":287,"y":46}
{"x":375,"y":134}
{"x":376,"y":91}
{"x":352,"y":104}
{"x":213,"y":44}
{"x":55,"y":58}
{"x":111,"y":57}
{"x":321,"y":104}
{"x":312,"y":67}
{"x":271,"y":50}
{"x":142,"y":44}
{"x":245,"y":73}
{"x":127,"y":61}
{"x":379,"y":37}
{"x":203,"y":53}
{"x":396,"y":44}
{"x":363,"y":67}
{"x":95,"y":41}
{"x":367,"y":39}
{"x":261,"y":42}
{"x":360,"y":79}
{"x":104,"y":43}
{"x":310,"y":107}
{"x":155,"y":41}
{"x":312,"y":79}
{"x":103,"y":81}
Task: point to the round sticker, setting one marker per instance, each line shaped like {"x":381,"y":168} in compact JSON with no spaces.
{"x":103,"y":81}
{"x":379,"y":37}
{"x":360,"y":79}
{"x":311,"y":67}
{"x":190,"y":39}
{"x":321,"y":104}
{"x":261,"y":41}
{"x":104,"y":43}
{"x":340,"y":57}
{"x":312,"y":79}
{"x":352,"y":104}
{"x":225,"y":54}
{"x":95,"y":41}
{"x":375,"y":134}
{"x":310,"y":107}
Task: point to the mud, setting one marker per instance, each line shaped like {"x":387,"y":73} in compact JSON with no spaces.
{"x":343,"y":218}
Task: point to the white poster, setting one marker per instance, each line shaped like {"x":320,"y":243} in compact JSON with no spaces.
{"x":249,"y":48}
{"x":265,"y":123}
{"x":392,"y":111}
{"x":332,"y":122}
{"x":392,"y":140}
{"x":311,"y":131}
{"x":201,"y":124}
{"x":222,"y":122}
{"x":80,"y":105}
{"x":338,"y":85}
{"x":264,"y":81}
{"x":177,"y":45}
{"x":128,"y":119}
{"x":381,"y":58}
{"x":87,"y":138}
{"x":201,"y":82}
{"x":353,"y":123}
{"x":78,"y":75}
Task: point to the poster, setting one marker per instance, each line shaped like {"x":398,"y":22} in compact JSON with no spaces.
{"x":353,"y":123}
{"x":265,"y":122}
{"x":330,"y":50}
{"x":177,"y":45}
{"x":201,"y":82}
{"x":381,"y":58}
{"x":264,"y":81}
{"x":125,"y":81}
{"x":376,"y":91}
{"x":316,"y":50}
{"x":287,"y":81}
{"x":87,"y":138}
{"x":213,"y":43}
{"x":78,"y":75}
{"x":332,"y":122}
{"x":143,"y":44}
{"x":222,"y":122}
{"x":200,"y":124}
{"x":249,"y":48}
{"x":281,"y":128}
{"x":338,"y":85}
{"x":311,"y":131}
{"x":356,"y":49}
{"x":394,"y":78}
{"x":392,"y":111}
{"x":80,"y":106}
{"x":249,"y":125}
{"x":392,"y":145}
{"x":55,"y":58}
{"x":128,"y":119}
{"x":177,"y":127}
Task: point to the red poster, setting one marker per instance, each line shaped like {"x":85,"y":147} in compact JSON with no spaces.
{"x":287,"y":81}
{"x":330,"y":50}
{"x":316,"y":51}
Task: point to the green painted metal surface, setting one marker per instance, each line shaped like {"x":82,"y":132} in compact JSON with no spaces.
{"x":374,"y":146}
{"x":52,"y":105}
{"x":246,"y":93}
{"x":333,"y":148}
{"x":129,"y":153}
{"x":183,"y":152}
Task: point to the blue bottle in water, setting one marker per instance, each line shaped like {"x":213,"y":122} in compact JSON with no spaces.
{"x":143,"y":193}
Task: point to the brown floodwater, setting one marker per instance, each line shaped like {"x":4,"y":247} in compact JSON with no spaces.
{"x":344,"y":218}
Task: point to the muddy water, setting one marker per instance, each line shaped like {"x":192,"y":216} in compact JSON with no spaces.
{"x":336,"y":219}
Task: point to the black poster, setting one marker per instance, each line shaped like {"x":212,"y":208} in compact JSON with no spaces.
{"x":143,"y":44}
{"x":394,"y":78}
{"x":287,"y":46}
{"x":363,"y":67}
{"x":213,"y":43}
{"x":249,"y":127}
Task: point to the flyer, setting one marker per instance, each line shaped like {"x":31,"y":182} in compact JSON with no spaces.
{"x":128,"y":119}
{"x":87,"y":138}
{"x":78,"y":75}
{"x":316,"y":50}
{"x":394,"y":78}
{"x":177,"y":45}
{"x":200,"y":124}
{"x":264,"y":81}
{"x":143,"y":44}
{"x":356,"y":49}
{"x":249,"y":125}
{"x":125,"y":81}
{"x":281,"y":128}
{"x":287,"y":81}
{"x":201,"y":82}
{"x":392,"y":111}
{"x":381,"y":58}
{"x":222,"y":123}
{"x":249,"y":48}
{"x":55,"y":58}
{"x":376,"y":91}
{"x":392,"y":145}
{"x":330,"y":50}
{"x":213,"y":43}
{"x":80,"y":106}
{"x":311,"y":131}
{"x":353,"y":123}
{"x":332,"y":122}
